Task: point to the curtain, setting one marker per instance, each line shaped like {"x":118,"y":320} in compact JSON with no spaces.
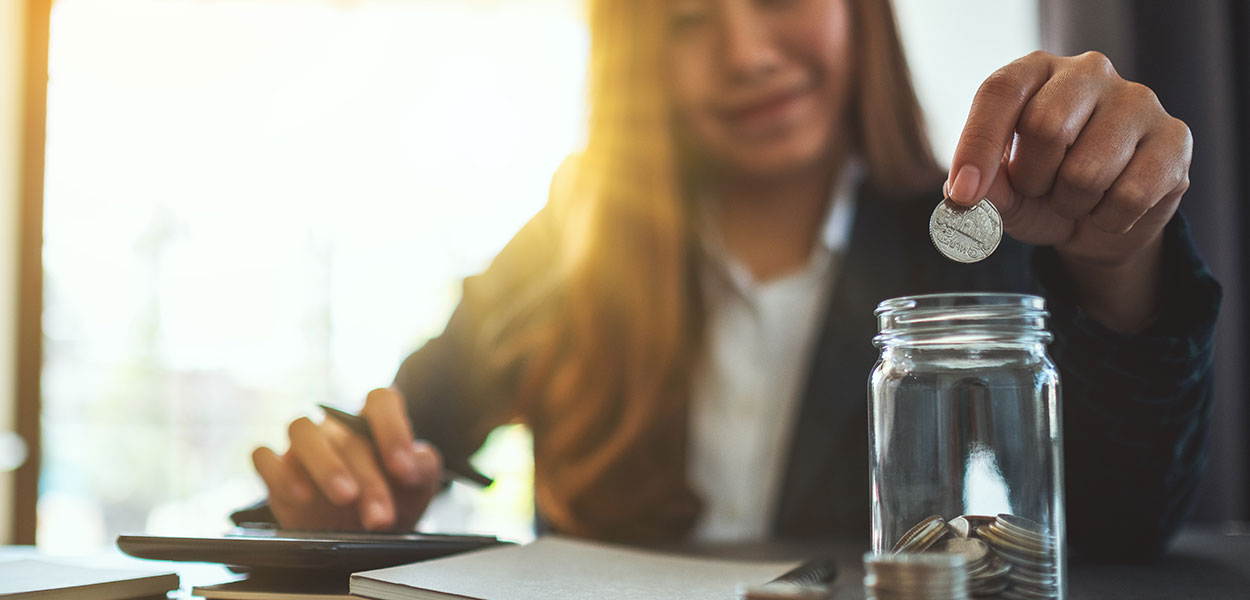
{"x":1196,"y":57}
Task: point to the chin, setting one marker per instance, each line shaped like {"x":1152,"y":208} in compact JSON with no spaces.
{"x":772,"y":160}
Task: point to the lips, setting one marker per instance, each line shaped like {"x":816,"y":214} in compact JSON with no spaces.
{"x":764,"y":111}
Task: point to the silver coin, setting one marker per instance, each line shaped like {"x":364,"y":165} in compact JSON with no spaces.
{"x":1024,"y":529}
{"x":973,"y":550}
{"x":966,"y":235}
{"x":923,"y":535}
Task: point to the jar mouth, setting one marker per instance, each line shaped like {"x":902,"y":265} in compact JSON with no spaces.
{"x":961,"y":319}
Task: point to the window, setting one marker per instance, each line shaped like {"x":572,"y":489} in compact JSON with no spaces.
{"x":953,"y":46}
{"x":257,"y":205}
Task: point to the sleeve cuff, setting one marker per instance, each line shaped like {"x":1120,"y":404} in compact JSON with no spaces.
{"x":1153,"y":366}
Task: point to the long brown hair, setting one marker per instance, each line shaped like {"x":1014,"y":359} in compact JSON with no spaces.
{"x":601,"y":341}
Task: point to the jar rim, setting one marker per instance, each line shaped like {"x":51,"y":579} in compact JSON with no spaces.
{"x":961,"y":300}
{"x":962,"y":319}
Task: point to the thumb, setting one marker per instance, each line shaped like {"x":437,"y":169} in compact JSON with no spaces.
{"x":1000,"y":193}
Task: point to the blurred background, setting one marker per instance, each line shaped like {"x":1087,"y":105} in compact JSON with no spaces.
{"x":249,"y":207}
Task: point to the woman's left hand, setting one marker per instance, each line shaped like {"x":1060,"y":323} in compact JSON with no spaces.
{"x":1075,"y":157}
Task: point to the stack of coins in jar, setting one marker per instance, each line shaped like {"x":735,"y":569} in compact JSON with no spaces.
{"x":1005,"y":555}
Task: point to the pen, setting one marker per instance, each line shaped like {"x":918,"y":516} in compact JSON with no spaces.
{"x":360,"y":426}
{"x":817,"y":571}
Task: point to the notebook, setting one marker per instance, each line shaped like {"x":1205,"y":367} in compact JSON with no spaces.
{"x":45,"y":580}
{"x":557,"y":567}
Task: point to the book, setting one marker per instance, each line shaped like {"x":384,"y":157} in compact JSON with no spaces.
{"x":286,"y":589}
{"x":46,"y":580}
{"x":556,"y":567}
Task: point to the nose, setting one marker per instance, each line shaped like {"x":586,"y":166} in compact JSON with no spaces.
{"x":748,"y":48}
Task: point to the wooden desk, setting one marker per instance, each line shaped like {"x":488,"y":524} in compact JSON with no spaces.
{"x":1203,"y":563}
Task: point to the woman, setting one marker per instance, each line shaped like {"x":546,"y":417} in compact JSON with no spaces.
{"x":686,"y":324}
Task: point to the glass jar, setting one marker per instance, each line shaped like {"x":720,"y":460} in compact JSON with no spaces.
{"x":965,"y":439}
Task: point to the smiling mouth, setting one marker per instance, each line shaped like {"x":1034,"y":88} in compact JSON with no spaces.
{"x":765,"y":111}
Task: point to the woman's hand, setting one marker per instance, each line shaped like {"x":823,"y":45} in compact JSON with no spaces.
{"x":331,"y":478}
{"x":1077,"y":158}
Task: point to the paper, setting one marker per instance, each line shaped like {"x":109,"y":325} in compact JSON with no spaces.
{"x":556,"y":567}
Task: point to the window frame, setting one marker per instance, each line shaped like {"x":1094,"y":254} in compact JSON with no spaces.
{"x":34,"y":89}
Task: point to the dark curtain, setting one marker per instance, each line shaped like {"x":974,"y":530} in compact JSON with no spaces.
{"x":1196,"y":56}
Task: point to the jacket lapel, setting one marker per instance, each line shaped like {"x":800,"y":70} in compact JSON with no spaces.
{"x":825,"y":489}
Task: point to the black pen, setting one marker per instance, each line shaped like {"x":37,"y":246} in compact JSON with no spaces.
{"x":360,"y":426}
{"x":817,"y":571}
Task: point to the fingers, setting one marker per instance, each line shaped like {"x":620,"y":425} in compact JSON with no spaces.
{"x":1050,"y":124}
{"x":311,"y":446}
{"x":991,"y":125}
{"x":388,"y":418}
{"x":1094,"y":163}
{"x":284,"y":482}
{"x":1080,"y":143}
{"x":334,"y":478}
{"x":375,"y":506}
{"x":411,"y":501}
{"x":429,"y":464}
{"x":293,"y":498}
{"x":1029,"y":220}
{"x":1156,"y":173}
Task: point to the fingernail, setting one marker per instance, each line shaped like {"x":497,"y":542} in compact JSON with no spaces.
{"x":405,"y":463}
{"x":377,"y":515}
{"x":344,"y":488}
{"x":964,"y":188}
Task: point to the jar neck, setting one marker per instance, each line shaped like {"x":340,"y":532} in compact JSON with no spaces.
{"x":963,"y":321}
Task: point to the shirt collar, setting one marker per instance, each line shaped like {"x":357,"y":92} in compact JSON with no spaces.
{"x":835,"y":234}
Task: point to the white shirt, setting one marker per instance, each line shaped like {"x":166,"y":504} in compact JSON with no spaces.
{"x":746,"y":391}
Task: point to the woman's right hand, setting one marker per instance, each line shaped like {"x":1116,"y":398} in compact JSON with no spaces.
{"x":331,"y":478}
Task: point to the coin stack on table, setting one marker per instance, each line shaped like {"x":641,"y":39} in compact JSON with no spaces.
{"x":915,"y":576}
{"x":1006,"y":556}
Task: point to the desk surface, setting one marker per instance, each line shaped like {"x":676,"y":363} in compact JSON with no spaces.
{"x":1202,"y":563}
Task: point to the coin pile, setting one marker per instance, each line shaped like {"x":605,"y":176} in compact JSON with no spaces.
{"x":1007,"y":555}
{"x":987,"y":572}
{"x":915,"y":576}
{"x":1030,"y":550}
